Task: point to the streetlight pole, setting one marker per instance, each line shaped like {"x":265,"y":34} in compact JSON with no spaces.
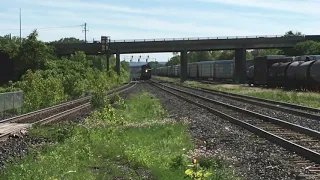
{"x":20,"y":27}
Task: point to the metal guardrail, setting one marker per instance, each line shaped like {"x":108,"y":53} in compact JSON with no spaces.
{"x":203,"y":38}
{"x":189,"y":39}
{"x":11,"y":100}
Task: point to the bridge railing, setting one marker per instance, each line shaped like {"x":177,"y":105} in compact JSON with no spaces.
{"x":201,"y":38}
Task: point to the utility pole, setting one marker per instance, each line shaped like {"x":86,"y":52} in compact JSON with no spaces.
{"x":20,"y":27}
{"x":85,"y":32}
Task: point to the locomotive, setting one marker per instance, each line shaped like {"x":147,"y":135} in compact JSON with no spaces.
{"x":145,"y":73}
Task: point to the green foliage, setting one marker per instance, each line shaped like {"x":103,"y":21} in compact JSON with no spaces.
{"x":103,"y":145}
{"x":32,"y":53}
{"x":199,"y":56}
{"x":144,"y":107}
{"x":307,"y":48}
{"x":173,"y":61}
{"x":155,"y":64}
{"x":196,"y":172}
{"x":40,"y":92}
{"x":265,"y":52}
{"x":47,"y":80}
{"x":68,"y":40}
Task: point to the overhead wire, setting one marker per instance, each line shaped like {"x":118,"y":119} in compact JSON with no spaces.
{"x":58,"y":27}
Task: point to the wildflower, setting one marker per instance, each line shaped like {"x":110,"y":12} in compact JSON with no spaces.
{"x":188,"y":172}
{"x":194,"y":161}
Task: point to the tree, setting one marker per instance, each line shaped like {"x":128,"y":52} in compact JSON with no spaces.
{"x":226,"y":55}
{"x":68,"y":40}
{"x":199,"y":56}
{"x":173,"y":61}
{"x":307,"y":48}
{"x":265,"y":52}
{"x":33,"y":53}
{"x":154,"y":64}
{"x":290,"y":51}
{"x":290,"y":33}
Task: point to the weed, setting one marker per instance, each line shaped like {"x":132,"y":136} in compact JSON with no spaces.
{"x":105,"y":149}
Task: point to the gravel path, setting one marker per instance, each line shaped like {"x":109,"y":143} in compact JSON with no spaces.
{"x":309,"y":123}
{"x":253,"y":157}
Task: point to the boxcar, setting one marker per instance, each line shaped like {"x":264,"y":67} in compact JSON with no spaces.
{"x":193,"y":70}
{"x":224,"y":69}
{"x":206,"y":69}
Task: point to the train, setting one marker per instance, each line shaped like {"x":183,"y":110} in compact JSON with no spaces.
{"x":207,"y":70}
{"x":301,"y":72}
{"x":143,"y":72}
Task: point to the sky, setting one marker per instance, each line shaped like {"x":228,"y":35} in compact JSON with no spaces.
{"x":149,"y":19}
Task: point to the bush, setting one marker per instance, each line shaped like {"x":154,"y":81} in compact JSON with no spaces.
{"x":48,"y":80}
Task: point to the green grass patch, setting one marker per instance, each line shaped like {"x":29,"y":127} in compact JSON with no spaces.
{"x":309,"y":99}
{"x":106,"y":148}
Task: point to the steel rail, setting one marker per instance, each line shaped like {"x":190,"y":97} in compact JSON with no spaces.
{"x":289,"y":105}
{"x":277,"y":121}
{"x":65,"y":113}
{"x":56,"y":107}
{"x":45,"y":110}
{"x":61,"y":115}
{"x":294,"y":109}
{"x":293,"y":147}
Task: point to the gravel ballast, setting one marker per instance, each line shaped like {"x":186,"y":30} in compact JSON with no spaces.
{"x":302,"y":121}
{"x":253,"y":157}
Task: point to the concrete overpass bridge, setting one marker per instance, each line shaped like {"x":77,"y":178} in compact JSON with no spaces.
{"x":183,"y":45}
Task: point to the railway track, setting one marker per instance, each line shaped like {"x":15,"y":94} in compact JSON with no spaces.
{"x":51,"y":114}
{"x":295,"y":109}
{"x":297,"y":139}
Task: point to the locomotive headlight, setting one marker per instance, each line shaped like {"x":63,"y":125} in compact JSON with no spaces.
{"x":146,"y":70}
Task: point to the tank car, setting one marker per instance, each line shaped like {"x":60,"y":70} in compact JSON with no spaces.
{"x":249,"y":75}
{"x":315,"y":74}
{"x":303,"y":75}
{"x":262,"y":65}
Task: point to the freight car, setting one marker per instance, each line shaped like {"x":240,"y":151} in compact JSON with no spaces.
{"x":302,"y":72}
{"x":215,"y":70}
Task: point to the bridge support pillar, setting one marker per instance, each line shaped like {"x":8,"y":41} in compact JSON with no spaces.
{"x":183,"y":65}
{"x":118,"y":63}
{"x":240,"y":66}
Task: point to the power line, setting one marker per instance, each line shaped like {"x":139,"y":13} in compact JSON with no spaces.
{"x":58,"y":27}
{"x":20,"y":27}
